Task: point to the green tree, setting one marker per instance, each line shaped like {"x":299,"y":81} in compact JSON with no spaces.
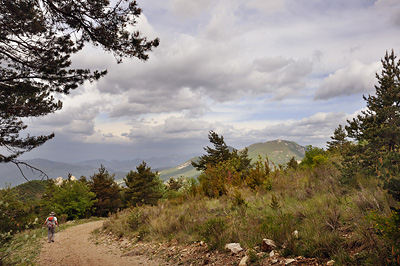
{"x":46,"y":202}
{"x":216,"y":179}
{"x":71,"y":198}
{"x":174,"y":184}
{"x":37,"y":39}
{"x":377,"y":129}
{"x":244,"y":161}
{"x":376,"y":153}
{"x":339,"y":141}
{"x":314,"y":156}
{"x":174,"y":188}
{"x":292,"y":164}
{"x":108,"y":198}
{"x":221,"y":153}
{"x":14,"y":217}
{"x":259,"y":174}
{"x":143,"y":186}
{"x":222,"y":167}
{"x":13,"y":212}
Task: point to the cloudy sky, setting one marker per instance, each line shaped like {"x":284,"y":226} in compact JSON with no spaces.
{"x":250,"y":70}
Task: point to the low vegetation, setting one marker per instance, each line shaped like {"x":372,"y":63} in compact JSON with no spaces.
{"x":332,"y":221}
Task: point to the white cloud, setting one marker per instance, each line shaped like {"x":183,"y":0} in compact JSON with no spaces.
{"x":223,"y":25}
{"x":188,"y":9}
{"x":171,"y":129}
{"x":267,"y":6}
{"x":136,"y":103}
{"x":282,"y":77}
{"x":355,"y":78}
{"x":251,"y":70}
{"x":144,"y":27}
{"x":77,"y":117}
{"x":387,"y":3}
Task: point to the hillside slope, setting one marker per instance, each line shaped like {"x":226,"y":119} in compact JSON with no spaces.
{"x":278,"y":152}
{"x":31,"y":191}
{"x":186,"y":169}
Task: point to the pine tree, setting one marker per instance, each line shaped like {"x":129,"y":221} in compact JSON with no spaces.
{"x":339,"y":141}
{"x":107,"y":192}
{"x":38,"y":39}
{"x":143,"y":186}
{"x":174,"y":184}
{"x":377,"y":129}
{"x":292,"y":164}
{"x":377,"y":151}
{"x":221,"y":153}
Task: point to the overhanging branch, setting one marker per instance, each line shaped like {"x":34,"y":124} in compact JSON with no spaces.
{"x":33,"y":169}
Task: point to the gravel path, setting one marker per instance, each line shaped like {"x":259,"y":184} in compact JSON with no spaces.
{"x":72,"y":247}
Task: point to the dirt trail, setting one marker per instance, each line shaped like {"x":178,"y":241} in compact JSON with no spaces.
{"x":73,"y":247}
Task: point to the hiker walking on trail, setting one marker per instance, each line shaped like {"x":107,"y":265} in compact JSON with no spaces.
{"x":51,"y":223}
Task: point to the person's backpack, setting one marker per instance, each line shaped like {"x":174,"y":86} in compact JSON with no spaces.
{"x":51,"y":222}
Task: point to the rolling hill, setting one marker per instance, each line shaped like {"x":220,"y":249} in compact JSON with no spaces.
{"x":278,"y":152}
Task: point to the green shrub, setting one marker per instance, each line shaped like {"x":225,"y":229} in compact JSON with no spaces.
{"x":274,"y":203}
{"x":314,"y":156}
{"x":216,"y":180}
{"x":72,"y":200}
{"x":14,"y":214}
{"x":259,"y":174}
{"x":191,"y":187}
{"x":213,"y":232}
{"x":238,"y":200}
{"x":318,"y":242}
{"x":388,"y":228}
{"x":280,"y":228}
{"x":22,"y":248}
{"x":135,"y":219}
{"x":252,"y":255}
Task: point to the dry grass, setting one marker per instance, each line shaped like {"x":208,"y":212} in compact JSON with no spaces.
{"x":330,"y":219}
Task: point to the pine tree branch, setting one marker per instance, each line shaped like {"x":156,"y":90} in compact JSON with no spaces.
{"x":33,"y":169}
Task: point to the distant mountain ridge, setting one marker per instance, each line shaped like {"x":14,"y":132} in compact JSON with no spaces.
{"x":10,"y":174}
{"x":278,"y":152}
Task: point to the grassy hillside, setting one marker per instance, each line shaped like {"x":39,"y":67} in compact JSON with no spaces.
{"x":306,"y":212}
{"x":186,"y":169}
{"x":32,"y":190}
{"x":278,"y":152}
